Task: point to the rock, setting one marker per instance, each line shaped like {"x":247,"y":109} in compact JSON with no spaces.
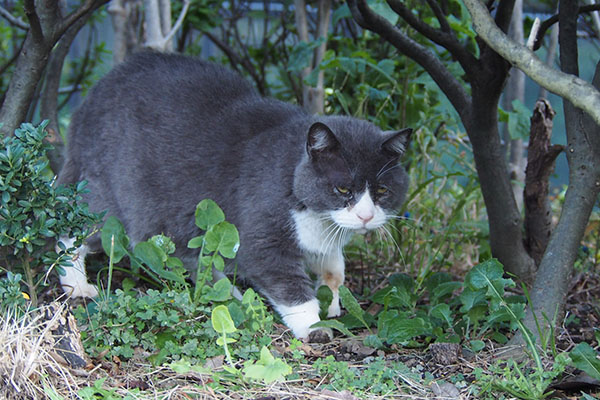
{"x":445,"y":353}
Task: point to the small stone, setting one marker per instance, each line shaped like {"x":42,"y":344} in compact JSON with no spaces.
{"x":445,"y":353}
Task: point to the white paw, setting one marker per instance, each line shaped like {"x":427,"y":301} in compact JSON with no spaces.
{"x":334,"y":309}
{"x":299,"y":318}
{"x":81,"y":289}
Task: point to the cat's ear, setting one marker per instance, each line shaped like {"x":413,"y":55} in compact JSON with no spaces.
{"x":396,"y":142}
{"x":320,"y":139}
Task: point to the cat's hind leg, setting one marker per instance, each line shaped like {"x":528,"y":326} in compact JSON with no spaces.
{"x":74,"y":282}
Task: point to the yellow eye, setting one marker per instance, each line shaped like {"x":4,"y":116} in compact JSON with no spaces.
{"x":382,"y":190}
{"x":342,"y":189}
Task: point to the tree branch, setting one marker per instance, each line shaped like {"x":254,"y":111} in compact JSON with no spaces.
{"x":368,"y":19}
{"x":446,"y":39}
{"x":14,"y":21}
{"x":554,"y":19}
{"x":182,"y":14}
{"x":441,"y":17}
{"x":236,"y":60}
{"x":582,"y":94}
{"x":34,"y":21}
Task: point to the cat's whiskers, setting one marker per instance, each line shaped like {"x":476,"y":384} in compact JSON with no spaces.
{"x":385,"y":169}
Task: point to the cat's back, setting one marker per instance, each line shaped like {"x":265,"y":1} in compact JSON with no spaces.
{"x":149,"y":81}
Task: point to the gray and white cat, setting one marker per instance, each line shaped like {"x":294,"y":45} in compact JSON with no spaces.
{"x":161,"y":132}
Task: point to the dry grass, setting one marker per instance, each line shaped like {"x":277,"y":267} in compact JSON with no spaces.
{"x":28,"y":363}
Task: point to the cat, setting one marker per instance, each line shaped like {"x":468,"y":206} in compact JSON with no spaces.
{"x":161,"y":132}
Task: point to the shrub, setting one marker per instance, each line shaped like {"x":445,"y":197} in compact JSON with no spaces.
{"x":33,"y":212}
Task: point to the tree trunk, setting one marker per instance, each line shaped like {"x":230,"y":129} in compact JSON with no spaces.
{"x":504,"y":219}
{"x":46,"y":27}
{"x":551,"y":285}
{"x":515,"y":90}
{"x":541,"y":158}
{"x":49,"y":99}
{"x":313,"y":98}
{"x":119,"y":14}
{"x":28,"y":72}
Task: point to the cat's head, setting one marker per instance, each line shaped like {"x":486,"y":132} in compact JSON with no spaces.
{"x":351,"y":172}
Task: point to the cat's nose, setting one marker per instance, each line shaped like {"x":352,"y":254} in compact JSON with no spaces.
{"x":365,"y":218}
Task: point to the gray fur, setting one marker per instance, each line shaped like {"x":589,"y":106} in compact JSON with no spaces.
{"x":161,"y":132}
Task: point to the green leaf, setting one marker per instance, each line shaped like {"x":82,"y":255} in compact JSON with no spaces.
{"x":114,"y":227}
{"x":208,"y":214}
{"x":268,"y":368}
{"x":220,"y":291}
{"x":519,"y":120}
{"x":333,"y":324}
{"x":584,"y":357}
{"x":394,"y":327}
{"x":383,"y":9}
{"x":325,"y":296}
{"x":351,"y":305}
{"x":224,"y":238}
{"x":477,"y":345}
{"x":183,"y":367}
{"x":221,"y":320}
{"x":302,"y":54}
{"x":154,"y":258}
{"x":488,"y":275}
{"x":196,"y":242}
{"x":442,"y":311}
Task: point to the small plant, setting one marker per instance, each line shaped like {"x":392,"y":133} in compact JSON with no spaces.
{"x":34,"y":213}
{"x":181,"y":320}
{"x":12,"y":300}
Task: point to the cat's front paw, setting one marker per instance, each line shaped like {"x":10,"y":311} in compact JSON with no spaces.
{"x":81,"y":289}
{"x":320,"y":335}
{"x":300,"y":317}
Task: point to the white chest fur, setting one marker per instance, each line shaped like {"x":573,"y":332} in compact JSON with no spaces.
{"x":318,"y":234}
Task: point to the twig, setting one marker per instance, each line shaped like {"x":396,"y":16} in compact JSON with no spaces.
{"x":18,"y":22}
{"x":533,"y":34}
{"x":554,"y":19}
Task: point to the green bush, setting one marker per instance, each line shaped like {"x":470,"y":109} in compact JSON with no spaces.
{"x":33,"y":212}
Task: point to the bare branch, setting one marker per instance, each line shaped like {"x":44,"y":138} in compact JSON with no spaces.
{"x":439,"y":14}
{"x":554,"y":19}
{"x":34,"y":21}
{"x":86,"y":7}
{"x":582,"y":94}
{"x":180,"y":18}
{"x":446,"y":39}
{"x":422,"y":55}
{"x":18,"y":22}
{"x":533,"y":33}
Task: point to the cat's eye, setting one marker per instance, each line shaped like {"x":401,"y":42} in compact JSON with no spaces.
{"x":382,"y":190}
{"x":342,"y":190}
